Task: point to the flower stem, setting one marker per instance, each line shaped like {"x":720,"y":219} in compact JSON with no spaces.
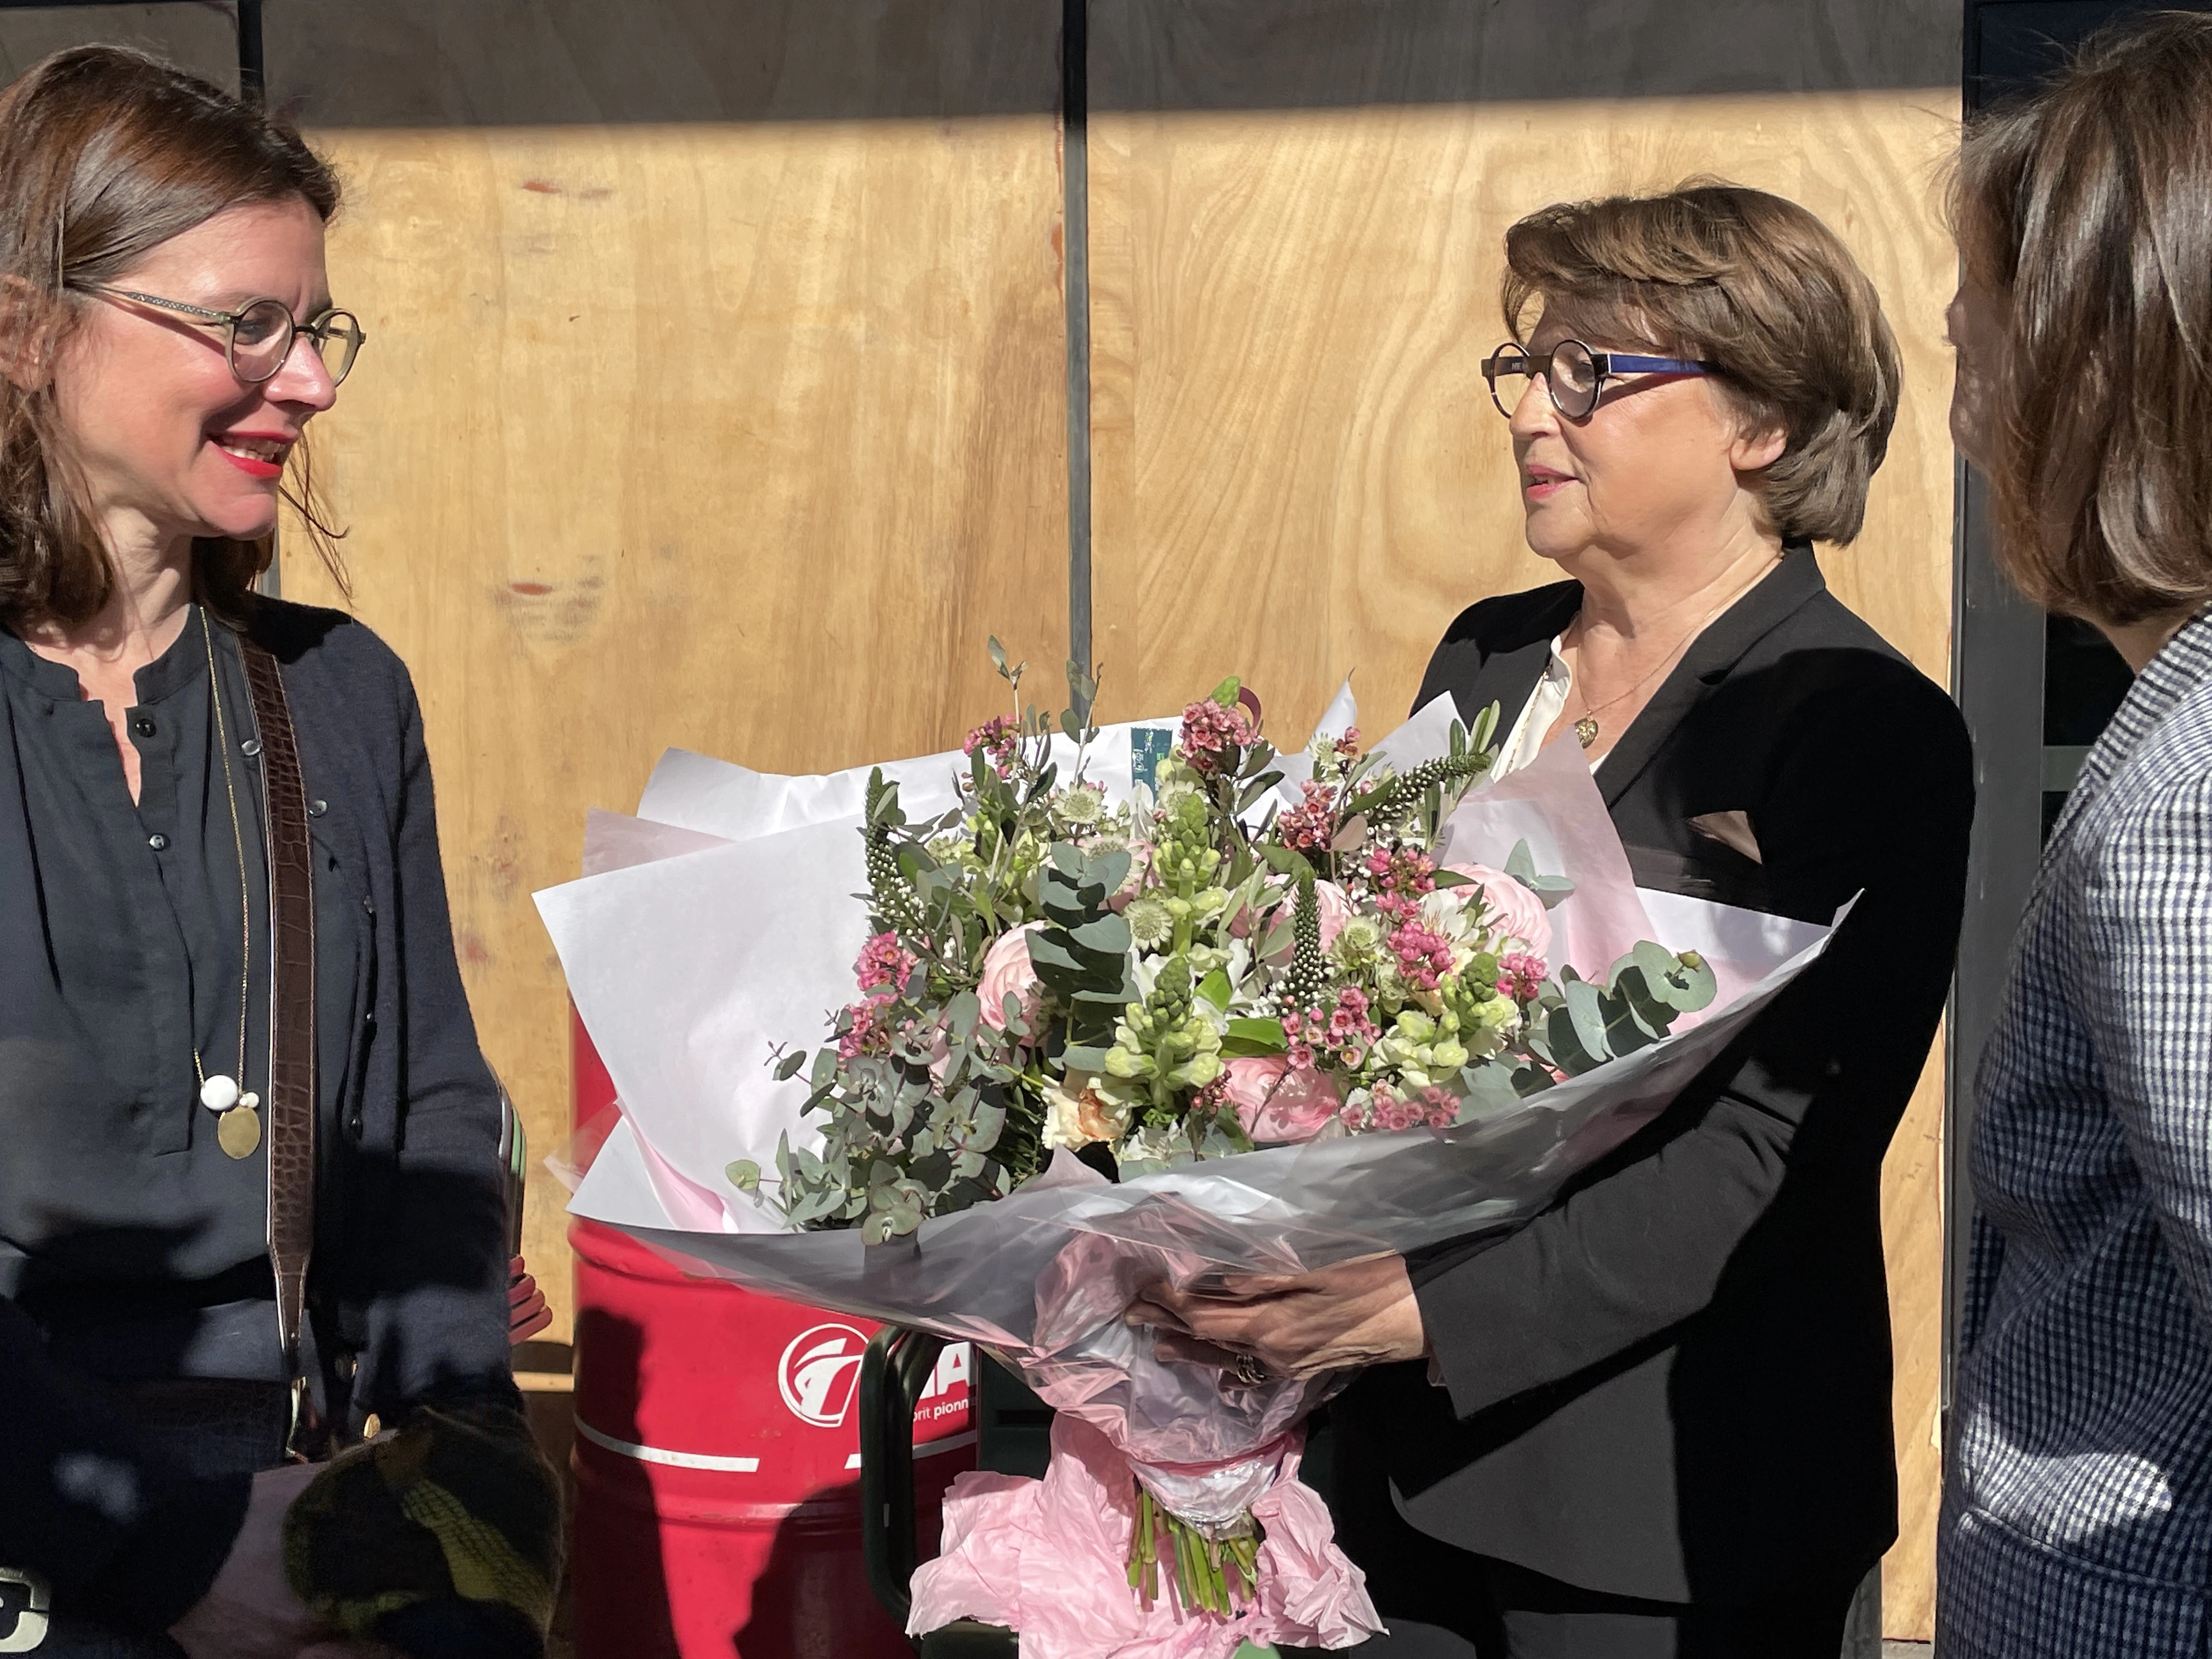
{"x":1204,"y":1575}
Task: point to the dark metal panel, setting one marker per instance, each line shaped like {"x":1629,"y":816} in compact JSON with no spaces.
{"x":1997,"y":677}
{"x":1075,"y":248}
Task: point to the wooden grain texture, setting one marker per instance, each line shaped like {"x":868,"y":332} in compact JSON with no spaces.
{"x":1297,"y":474}
{"x":740,"y":437}
{"x":201,"y":39}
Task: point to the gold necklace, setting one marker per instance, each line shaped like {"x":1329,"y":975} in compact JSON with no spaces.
{"x":1586,"y":728}
{"x":237,"y":1119}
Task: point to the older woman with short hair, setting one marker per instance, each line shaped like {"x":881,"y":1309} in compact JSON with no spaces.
{"x":2078,"y":1517}
{"x":1655,"y":1420}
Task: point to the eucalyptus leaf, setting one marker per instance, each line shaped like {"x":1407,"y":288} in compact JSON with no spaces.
{"x":1489,"y":1090}
{"x":1520,"y":864}
{"x":1698,"y":985}
{"x":1108,"y":935}
{"x":1107,"y":870}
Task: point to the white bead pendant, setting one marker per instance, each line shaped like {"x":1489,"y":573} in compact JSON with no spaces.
{"x":219,"y":1093}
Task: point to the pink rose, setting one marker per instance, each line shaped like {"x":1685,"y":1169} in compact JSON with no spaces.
{"x":1278,"y":1102}
{"x":1510,"y":908}
{"x":1008,"y":972}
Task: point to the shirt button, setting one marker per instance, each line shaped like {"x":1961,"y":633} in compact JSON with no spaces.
{"x":250,"y":748}
{"x":158,"y":841}
{"x":142,"y":726}
{"x":317,"y":808}
{"x":368,"y":903}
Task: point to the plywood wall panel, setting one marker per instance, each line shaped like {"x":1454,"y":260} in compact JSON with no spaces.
{"x":736,"y":437}
{"x":1298,"y":472}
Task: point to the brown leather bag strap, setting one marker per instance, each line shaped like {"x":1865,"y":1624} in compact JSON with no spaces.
{"x":291,"y":1027}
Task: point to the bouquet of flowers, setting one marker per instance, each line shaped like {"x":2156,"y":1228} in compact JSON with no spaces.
{"x":1141,"y":1004}
{"x":1179,"y":976}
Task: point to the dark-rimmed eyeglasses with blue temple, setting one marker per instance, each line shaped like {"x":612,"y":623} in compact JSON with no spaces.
{"x":1573,"y":375}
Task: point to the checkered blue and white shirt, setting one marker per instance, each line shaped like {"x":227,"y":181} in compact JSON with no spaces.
{"x":2077,"y":1519}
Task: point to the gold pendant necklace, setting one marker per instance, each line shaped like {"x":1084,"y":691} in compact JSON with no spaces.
{"x":1586,"y":728}
{"x":237,"y":1109}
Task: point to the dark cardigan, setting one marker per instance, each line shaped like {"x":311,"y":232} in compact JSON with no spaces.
{"x":408,"y":1289}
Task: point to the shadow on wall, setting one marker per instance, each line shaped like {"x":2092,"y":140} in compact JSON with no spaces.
{"x":497,"y":63}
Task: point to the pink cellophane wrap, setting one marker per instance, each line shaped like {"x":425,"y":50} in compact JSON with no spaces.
{"x":1049,"y":1559}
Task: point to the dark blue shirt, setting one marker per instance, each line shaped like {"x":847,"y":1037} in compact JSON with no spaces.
{"x":111,"y":1191}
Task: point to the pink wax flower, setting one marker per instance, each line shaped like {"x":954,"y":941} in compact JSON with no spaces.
{"x":1276,"y":1100}
{"x":1509,"y":907}
{"x":1392,"y":1111}
{"x":1210,"y":731}
{"x":868,"y":1034}
{"x":1007,"y":971}
{"x":1312,"y":825}
{"x":1424,"y":957}
{"x":1404,"y":874}
{"x":998,"y":738}
{"x":1520,"y":976}
{"x":883,"y":964}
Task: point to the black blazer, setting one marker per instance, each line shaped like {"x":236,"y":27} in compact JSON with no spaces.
{"x":1674,"y":1383}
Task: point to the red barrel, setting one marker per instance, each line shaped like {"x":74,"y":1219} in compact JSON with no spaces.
{"x":717,"y":1461}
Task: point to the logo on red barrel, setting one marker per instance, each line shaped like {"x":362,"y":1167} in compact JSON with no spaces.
{"x":818,"y":1373}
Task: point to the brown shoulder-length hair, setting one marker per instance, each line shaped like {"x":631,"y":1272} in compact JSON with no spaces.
{"x":1756,"y":285}
{"x":105,"y":154}
{"x":2084,"y":214}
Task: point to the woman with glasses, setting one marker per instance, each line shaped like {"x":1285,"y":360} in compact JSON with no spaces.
{"x":250,"y":1184}
{"x":2077,"y":1513}
{"x":1656,"y":1421}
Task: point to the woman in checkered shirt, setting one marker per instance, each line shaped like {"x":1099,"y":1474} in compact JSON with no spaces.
{"x":2077,"y":1518}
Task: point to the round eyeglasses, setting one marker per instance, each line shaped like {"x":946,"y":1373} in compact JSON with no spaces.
{"x":1574,"y":376}
{"x":258,"y":335}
